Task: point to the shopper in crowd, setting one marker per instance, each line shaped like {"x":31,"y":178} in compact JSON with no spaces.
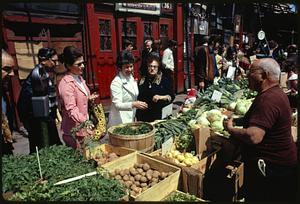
{"x":39,"y":88}
{"x":268,"y":150}
{"x":207,"y":69}
{"x":146,"y":52}
{"x":156,"y":90}
{"x":124,"y":92}
{"x":168,"y":59}
{"x":157,"y":48}
{"x":128,"y":45}
{"x":7,"y":64}
{"x":74,"y":96}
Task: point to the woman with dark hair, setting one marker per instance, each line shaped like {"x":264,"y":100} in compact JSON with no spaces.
{"x":156,"y":90}
{"x":74,"y":95}
{"x":124,"y":92}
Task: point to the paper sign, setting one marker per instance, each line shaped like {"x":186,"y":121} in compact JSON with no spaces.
{"x":166,"y":111}
{"x":230,"y":72}
{"x":167,"y":146}
{"x":216,"y":96}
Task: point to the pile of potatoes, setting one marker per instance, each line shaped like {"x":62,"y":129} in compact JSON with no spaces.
{"x":105,"y":157}
{"x":139,"y":178}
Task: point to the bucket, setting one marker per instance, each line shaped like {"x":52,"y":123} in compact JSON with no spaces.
{"x":142,"y":143}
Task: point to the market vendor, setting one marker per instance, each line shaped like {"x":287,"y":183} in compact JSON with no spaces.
{"x":268,"y":150}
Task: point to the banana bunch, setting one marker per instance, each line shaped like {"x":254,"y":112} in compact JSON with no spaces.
{"x":184,"y":159}
{"x":100,"y":127}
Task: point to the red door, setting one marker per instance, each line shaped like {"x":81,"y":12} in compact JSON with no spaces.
{"x":105,"y":42}
{"x":133,"y":31}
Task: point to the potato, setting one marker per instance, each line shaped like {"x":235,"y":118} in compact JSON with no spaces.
{"x":132,"y":186}
{"x":155,"y":174}
{"x":137,"y":177}
{"x":146,"y":167}
{"x":126,"y":171}
{"x":118,"y":177}
{"x":140,"y":166}
{"x":149,"y":177}
{"x":117,"y":171}
{"x":125,"y":177}
{"x":150,"y":171}
{"x":122,"y":173}
{"x":143,"y":173}
{"x":128,"y":184}
{"x":136,"y":165}
{"x":139,"y":170}
{"x":143,"y":185}
{"x":137,"y":183}
{"x":144,"y":188}
{"x":153,"y":183}
{"x":137,"y":190}
{"x":133,"y":171}
{"x":143,"y":179}
{"x":131,"y":178}
{"x":163,"y":175}
{"x":154,"y":179}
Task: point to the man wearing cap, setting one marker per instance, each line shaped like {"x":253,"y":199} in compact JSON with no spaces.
{"x":39,"y":88}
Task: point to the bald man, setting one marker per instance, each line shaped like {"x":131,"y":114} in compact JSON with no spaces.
{"x":268,"y":150}
{"x":7,"y":72}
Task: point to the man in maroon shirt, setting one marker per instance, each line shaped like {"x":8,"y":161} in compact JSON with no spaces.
{"x":268,"y":150}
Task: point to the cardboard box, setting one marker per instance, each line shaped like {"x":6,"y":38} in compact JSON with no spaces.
{"x":201,"y":135}
{"x":236,"y":174}
{"x":156,"y":192}
{"x":283,"y":79}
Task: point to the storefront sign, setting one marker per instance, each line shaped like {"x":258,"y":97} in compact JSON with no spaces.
{"x":167,"y":8}
{"x":145,"y":8}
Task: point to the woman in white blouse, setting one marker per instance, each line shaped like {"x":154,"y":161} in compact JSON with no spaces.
{"x":124,"y":92}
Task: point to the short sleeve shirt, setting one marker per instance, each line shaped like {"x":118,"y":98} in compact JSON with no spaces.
{"x":271,"y":111}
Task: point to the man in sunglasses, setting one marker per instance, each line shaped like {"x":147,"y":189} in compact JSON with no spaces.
{"x":37,"y":102}
{"x":7,"y":72}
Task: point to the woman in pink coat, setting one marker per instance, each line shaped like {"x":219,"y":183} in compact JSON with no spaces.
{"x":73,"y":95}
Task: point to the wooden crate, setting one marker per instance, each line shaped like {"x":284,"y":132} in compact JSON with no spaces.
{"x":191,"y":180}
{"x":120,"y":151}
{"x":180,"y":192}
{"x":156,"y":192}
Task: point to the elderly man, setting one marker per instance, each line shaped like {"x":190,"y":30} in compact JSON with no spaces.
{"x":7,"y":72}
{"x":268,"y":150}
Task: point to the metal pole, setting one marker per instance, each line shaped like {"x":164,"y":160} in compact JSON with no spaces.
{"x":44,"y":133}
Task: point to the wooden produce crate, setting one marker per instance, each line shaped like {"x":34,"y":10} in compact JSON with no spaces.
{"x":180,"y":192}
{"x":156,"y":192}
{"x":192,"y":177}
{"x":120,"y":151}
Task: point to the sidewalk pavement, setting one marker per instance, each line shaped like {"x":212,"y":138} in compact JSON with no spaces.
{"x":21,"y":146}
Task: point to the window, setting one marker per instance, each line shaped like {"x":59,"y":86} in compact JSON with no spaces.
{"x":148,"y":30}
{"x":105,"y":34}
{"x":129,"y":33}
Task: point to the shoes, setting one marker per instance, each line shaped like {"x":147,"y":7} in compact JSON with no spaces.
{"x":23,"y":131}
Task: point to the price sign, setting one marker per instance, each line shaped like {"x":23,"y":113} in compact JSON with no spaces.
{"x":216,"y":96}
{"x":166,"y":111}
{"x":166,"y":146}
{"x":230,"y":72}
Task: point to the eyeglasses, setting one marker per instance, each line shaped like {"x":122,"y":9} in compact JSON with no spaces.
{"x":79,"y":64}
{"x":8,"y":69}
{"x":153,"y":66}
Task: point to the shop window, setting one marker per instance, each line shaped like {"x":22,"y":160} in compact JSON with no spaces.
{"x":164,"y":30}
{"x":105,"y":34}
{"x":129,"y":33}
{"x":148,"y":31}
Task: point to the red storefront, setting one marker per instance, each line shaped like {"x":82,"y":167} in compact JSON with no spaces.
{"x":110,"y":24}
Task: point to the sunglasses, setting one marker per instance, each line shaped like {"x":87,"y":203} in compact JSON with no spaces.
{"x":79,"y":64}
{"x":8,"y":69}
